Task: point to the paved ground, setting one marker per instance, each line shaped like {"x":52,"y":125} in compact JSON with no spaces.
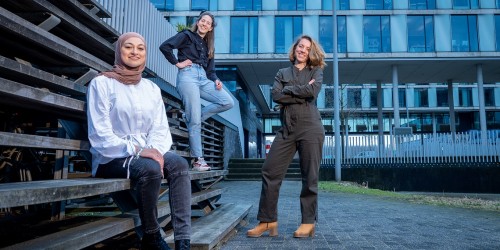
{"x":349,"y":221}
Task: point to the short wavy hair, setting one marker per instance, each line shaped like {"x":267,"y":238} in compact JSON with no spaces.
{"x":316,"y":54}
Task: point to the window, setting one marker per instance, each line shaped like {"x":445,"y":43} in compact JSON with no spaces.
{"x":341,"y":5}
{"x":464,"y":33}
{"x":402,"y":97}
{"x":465,"y":97}
{"x":442,"y":97}
{"x":291,"y":4}
{"x":426,"y":124}
{"x":489,"y":96}
{"x":247,"y":4}
{"x":326,"y":33}
{"x":422,"y":4}
{"x":354,"y":98}
{"x":341,"y":34}
{"x":465,"y":4}
{"x":244,"y":35}
{"x":497,"y":29}
{"x":287,"y":30}
{"x":420,"y":33}
{"x":373,"y":98}
{"x":378,"y":4}
{"x":493,"y":122}
{"x":377,"y":34}
{"x":163,"y":4}
{"x":421,"y":97}
{"x":329,"y":98}
{"x":200,"y":5}
{"x":442,"y":123}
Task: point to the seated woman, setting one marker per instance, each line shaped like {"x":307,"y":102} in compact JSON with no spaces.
{"x":130,"y":138}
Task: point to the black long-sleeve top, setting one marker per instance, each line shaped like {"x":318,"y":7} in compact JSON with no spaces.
{"x":190,"y":46}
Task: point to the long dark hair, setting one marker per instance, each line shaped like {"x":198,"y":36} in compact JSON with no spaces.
{"x":210,"y":36}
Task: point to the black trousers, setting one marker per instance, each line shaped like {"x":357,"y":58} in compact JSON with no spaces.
{"x":146,"y":176}
{"x":307,"y":139}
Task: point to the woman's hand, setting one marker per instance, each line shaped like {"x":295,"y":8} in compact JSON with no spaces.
{"x":184,"y":64}
{"x":312,"y":81}
{"x":218,"y":84}
{"x":155,"y":155}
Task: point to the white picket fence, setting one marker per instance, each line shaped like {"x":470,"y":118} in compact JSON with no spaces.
{"x":464,"y":147}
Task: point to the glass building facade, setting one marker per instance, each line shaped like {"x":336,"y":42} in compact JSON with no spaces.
{"x":369,"y":32}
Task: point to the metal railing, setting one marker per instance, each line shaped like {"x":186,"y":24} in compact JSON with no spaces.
{"x":462,"y":148}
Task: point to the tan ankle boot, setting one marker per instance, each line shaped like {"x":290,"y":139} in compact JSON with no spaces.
{"x":304,"y":231}
{"x":258,"y":230}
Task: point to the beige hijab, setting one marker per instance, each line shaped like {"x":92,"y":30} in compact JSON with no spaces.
{"x":121,"y":72}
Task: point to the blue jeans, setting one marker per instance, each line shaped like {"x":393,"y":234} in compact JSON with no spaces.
{"x":193,"y":85}
{"x":146,"y":178}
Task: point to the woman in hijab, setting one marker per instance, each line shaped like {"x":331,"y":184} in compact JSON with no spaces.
{"x":130,"y":138}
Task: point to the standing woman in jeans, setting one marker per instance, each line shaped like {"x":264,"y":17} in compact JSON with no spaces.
{"x":295,"y":89}
{"x":197,"y":80}
{"x":130,"y":137}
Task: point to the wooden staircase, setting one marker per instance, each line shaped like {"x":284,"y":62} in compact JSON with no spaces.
{"x":50,"y":50}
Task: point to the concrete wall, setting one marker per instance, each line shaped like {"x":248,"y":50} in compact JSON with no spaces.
{"x":449,"y":178}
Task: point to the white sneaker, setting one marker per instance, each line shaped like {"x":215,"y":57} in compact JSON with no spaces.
{"x":200,"y":165}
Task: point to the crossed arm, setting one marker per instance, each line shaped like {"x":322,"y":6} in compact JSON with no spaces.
{"x":299,"y":93}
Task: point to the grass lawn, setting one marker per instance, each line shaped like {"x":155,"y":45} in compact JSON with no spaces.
{"x":462,"y":202}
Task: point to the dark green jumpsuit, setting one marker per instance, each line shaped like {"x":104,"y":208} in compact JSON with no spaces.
{"x":301,"y":131}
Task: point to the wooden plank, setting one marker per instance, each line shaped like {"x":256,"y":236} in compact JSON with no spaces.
{"x":174,"y":122}
{"x":211,"y":150}
{"x":178,"y":132}
{"x":77,"y":9}
{"x":180,"y":144}
{"x":209,"y":230}
{"x":87,"y":37}
{"x":30,"y":75}
{"x":212,"y":144}
{"x":205,"y":195}
{"x":36,"y":192}
{"x":181,"y":153}
{"x":37,"y":141}
{"x":94,"y":232}
{"x":206,"y":124}
{"x":53,"y":44}
{"x":215,"y":133}
{"x":21,"y":94}
{"x":90,"y":233}
{"x":195,"y":175}
{"x":170,"y":102}
{"x":103,"y":12}
{"x":210,"y":137}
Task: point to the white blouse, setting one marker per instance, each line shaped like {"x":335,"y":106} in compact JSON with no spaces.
{"x":121,"y":116}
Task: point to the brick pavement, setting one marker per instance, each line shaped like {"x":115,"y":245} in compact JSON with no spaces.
{"x":349,"y":221}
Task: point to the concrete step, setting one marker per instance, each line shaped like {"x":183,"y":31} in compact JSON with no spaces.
{"x":256,"y":165}
{"x":250,"y":169}
{"x":258,"y":170}
{"x":258,"y":177}
{"x":253,"y":160}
